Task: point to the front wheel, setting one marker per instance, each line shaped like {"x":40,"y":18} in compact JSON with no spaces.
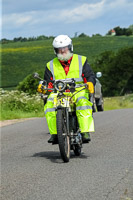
{"x":63,"y":138}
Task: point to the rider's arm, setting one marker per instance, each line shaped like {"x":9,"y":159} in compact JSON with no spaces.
{"x":88,"y":74}
{"x":48,"y":77}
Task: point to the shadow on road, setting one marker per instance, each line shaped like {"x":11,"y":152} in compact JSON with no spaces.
{"x":55,"y":157}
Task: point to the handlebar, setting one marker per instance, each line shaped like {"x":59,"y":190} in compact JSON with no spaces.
{"x":81,"y":85}
{"x":76,"y":86}
{"x":67,"y":81}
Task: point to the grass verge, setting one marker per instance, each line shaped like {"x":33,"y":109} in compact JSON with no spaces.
{"x":19,"y":114}
{"x":18,"y":105}
{"x":121,"y":102}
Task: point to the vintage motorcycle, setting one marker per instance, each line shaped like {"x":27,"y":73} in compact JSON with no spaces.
{"x":68,"y":132}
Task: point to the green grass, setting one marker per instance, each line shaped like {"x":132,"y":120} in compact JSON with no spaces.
{"x":19,"y":114}
{"x":17,"y":105}
{"x":23,"y":58}
{"x":122,"y":102}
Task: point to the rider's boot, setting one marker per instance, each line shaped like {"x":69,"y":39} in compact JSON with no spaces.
{"x":86,"y":137}
{"x":53,"y":139}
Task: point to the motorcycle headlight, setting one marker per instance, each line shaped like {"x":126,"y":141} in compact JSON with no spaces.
{"x":60,"y":86}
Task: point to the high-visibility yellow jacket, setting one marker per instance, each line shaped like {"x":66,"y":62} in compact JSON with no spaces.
{"x":78,"y":69}
{"x":75,"y":68}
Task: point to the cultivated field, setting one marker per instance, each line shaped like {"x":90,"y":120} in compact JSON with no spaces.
{"x":20,"y":59}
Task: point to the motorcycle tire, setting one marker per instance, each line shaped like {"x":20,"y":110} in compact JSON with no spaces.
{"x":100,"y":104}
{"x":63,"y":138}
{"x":100,"y":108}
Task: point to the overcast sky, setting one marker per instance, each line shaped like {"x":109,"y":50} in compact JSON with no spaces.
{"x":28,"y":18}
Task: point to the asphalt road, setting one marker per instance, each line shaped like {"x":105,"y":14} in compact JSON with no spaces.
{"x":31,"y":169}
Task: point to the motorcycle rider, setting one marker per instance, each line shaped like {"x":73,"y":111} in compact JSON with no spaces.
{"x":69,"y":65}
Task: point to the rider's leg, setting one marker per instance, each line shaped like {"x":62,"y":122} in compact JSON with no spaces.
{"x":50,"y":115}
{"x":84,"y":115}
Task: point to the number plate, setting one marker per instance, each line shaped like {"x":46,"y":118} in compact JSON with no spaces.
{"x":63,"y":102}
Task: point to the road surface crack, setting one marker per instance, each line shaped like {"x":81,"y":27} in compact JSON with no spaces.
{"x":113,"y":188}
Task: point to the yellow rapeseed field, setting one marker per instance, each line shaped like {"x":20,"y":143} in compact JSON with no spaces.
{"x":22,"y":49}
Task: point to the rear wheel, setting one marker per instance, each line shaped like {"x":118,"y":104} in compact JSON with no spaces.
{"x":99,"y":104}
{"x":100,"y":108}
{"x":93,"y":108}
{"x":63,"y":138}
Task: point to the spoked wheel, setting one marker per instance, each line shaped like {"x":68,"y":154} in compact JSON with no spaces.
{"x":63,"y":138}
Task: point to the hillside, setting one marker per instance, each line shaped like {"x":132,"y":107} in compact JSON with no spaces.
{"x":22,"y":58}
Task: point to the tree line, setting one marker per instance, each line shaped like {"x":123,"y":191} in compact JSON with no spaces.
{"x":24,"y":39}
{"x":118,"y":32}
{"x":122,"y":31}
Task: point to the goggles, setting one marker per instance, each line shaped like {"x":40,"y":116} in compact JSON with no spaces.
{"x":61,"y":49}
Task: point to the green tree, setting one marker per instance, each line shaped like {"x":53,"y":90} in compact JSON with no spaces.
{"x":42,"y":37}
{"x":117,"y":71}
{"x":82,"y":35}
{"x":118,"y":31}
{"x":131,"y":28}
{"x":128,"y":32}
{"x":96,"y":35}
{"x":29,"y":84}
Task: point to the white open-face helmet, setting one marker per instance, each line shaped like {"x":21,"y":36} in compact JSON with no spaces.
{"x":62,"y":41}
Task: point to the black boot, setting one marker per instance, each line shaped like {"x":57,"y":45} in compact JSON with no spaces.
{"x":86,"y":137}
{"x":53,"y":139}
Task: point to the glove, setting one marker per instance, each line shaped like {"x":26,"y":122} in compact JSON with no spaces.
{"x":40,"y":89}
{"x":90,"y":87}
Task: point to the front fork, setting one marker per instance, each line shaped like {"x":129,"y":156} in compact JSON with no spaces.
{"x":74,"y":139}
